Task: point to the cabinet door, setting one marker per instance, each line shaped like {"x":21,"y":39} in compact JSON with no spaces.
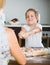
{"x":45,"y":41}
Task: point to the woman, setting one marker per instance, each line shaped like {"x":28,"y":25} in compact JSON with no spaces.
{"x":8,"y":41}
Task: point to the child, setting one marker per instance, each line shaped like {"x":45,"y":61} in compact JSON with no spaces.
{"x":32,"y":32}
{"x":8,"y":41}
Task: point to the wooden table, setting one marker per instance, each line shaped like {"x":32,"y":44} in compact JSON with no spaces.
{"x":39,"y":60}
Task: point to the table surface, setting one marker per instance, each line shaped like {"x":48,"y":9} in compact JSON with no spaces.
{"x":36,"y":60}
{"x":39,"y":60}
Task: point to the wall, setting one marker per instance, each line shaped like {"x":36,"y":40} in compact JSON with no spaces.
{"x":17,"y":8}
{"x":49,"y":10}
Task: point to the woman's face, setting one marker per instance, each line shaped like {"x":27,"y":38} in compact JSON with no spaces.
{"x":31,"y":18}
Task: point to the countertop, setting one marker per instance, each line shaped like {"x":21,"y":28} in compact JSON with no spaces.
{"x":39,"y":60}
{"x":34,"y":60}
{"x":20,"y":25}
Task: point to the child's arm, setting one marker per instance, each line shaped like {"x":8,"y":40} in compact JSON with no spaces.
{"x":25,"y":34}
{"x":21,"y":33}
{"x":34,"y":31}
{"x":37,"y":29}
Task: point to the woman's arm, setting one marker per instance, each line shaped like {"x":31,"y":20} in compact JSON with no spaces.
{"x":14,"y":47}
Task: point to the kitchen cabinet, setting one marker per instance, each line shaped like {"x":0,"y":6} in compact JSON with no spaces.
{"x":45,"y":41}
{"x":46,"y":36}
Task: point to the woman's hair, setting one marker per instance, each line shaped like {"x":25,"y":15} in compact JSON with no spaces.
{"x":2,"y":3}
{"x":36,"y":13}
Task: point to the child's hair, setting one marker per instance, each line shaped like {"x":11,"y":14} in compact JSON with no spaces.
{"x":36,"y":13}
{"x":2,"y":3}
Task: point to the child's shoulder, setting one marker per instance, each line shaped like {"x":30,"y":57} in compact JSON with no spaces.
{"x":25,"y":26}
{"x":38,"y":24}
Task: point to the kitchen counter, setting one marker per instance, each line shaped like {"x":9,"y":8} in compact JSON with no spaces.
{"x":40,"y":60}
{"x":45,"y":60}
{"x":19,"y":25}
{"x":12,"y":25}
{"x":34,"y":60}
{"x":45,"y":25}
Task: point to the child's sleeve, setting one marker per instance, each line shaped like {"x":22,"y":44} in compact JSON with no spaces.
{"x":40,"y":26}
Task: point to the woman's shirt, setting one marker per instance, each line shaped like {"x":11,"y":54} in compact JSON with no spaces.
{"x":34,"y":40}
{"x":4,"y":47}
{"x":2,"y":18}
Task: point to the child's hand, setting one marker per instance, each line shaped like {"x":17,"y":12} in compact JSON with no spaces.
{"x":20,"y":34}
{"x":25,"y":35}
